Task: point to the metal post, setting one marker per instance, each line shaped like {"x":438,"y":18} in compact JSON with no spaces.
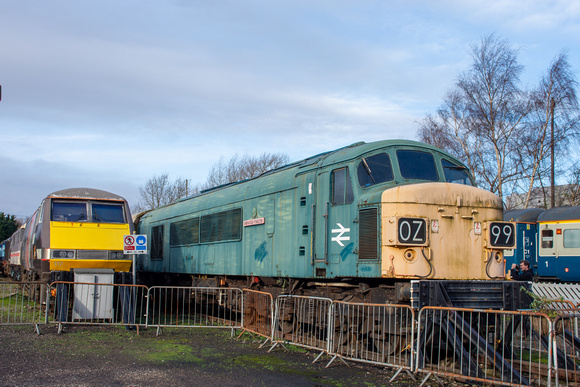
{"x":552,"y":183}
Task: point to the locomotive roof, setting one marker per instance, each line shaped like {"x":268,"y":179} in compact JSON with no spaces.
{"x":560,"y":213}
{"x":349,"y":152}
{"x":527,"y":215}
{"x":85,"y":193}
{"x":325,"y":159}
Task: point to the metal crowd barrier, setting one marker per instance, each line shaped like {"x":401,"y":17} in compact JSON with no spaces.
{"x":485,"y":346}
{"x":23,"y":303}
{"x":258,"y":313}
{"x":566,"y":348}
{"x":96,"y":304}
{"x":194,"y":307}
{"x":373,"y":333}
{"x":303,"y":321}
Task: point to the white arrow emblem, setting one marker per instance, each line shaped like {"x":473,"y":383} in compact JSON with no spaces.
{"x":339,"y":238}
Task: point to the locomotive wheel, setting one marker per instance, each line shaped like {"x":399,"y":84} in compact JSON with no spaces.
{"x":388,"y":345}
{"x":250,"y":311}
{"x":289,"y":327}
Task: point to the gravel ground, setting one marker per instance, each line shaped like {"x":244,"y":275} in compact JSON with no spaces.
{"x":113,"y":356}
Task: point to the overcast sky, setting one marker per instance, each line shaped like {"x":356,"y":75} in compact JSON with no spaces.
{"x":108,"y":94}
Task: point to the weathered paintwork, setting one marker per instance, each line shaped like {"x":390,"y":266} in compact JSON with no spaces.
{"x":454,"y":249}
{"x":294,"y":228}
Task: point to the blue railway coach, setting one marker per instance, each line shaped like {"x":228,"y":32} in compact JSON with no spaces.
{"x":559,"y":243}
{"x":525,"y":221}
{"x":549,"y":240}
{"x":359,"y":222}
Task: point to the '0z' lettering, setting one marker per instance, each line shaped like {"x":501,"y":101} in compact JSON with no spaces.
{"x":412,"y":231}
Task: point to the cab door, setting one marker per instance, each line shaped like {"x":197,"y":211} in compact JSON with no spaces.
{"x":334,"y":242}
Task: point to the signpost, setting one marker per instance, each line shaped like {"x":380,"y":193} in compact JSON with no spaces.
{"x":134,"y":244}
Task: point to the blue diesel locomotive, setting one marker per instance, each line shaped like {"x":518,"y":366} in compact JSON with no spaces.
{"x":549,"y":240}
{"x":356,"y":223}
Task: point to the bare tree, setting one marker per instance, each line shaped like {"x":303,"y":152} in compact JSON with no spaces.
{"x":245,"y":167}
{"x":573,"y":189}
{"x":554,"y":99}
{"x":481,"y":115}
{"x":159,"y":191}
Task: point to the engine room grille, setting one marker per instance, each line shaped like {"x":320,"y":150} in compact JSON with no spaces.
{"x":368,"y":239}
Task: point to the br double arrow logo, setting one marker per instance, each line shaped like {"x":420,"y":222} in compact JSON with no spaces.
{"x":340,"y":238}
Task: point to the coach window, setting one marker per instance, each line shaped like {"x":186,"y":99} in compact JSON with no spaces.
{"x":416,"y":165}
{"x":547,"y":239}
{"x":374,"y":170}
{"x":455,"y":173}
{"x":341,"y":187}
{"x":572,"y":238}
{"x":157,"y":242}
{"x":69,"y":211}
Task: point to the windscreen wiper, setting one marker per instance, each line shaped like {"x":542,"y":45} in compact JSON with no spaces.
{"x":368,"y":169}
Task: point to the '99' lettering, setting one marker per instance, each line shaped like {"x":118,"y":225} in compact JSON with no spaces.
{"x":501,"y":234}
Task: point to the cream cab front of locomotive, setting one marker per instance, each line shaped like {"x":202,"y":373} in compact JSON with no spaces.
{"x":443,"y":231}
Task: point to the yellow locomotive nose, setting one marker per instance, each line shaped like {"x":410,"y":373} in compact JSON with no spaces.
{"x":441,"y":231}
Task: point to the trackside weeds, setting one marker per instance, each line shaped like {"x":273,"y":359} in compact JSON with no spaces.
{"x":480,"y":346}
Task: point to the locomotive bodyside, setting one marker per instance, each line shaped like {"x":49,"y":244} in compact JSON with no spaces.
{"x":362,"y":216}
{"x":77,"y":228}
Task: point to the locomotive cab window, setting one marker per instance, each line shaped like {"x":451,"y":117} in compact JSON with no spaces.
{"x":108,"y":213}
{"x":341,"y":187}
{"x":69,"y":211}
{"x":455,"y":173}
{"x":416,"y":165}
{"x":374,"y":170}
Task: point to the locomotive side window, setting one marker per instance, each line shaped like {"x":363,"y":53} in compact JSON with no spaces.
{"x":221,"y":226}
{"x":341,"y":187}
{"x":157,"y":242}
{"x":455,"y":173}
{"x":417,"y":165}
{"x":69,"y":211}
{"x":547,"y":239}
{"x":572,"y":238}
{"x":108,"y":213}
{"x":374,"y":170}
{"x":184,"y":233}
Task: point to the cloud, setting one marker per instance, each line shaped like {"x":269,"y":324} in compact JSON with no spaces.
{"x":115,"y":93}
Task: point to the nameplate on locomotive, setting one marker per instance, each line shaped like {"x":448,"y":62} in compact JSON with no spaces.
{"x":254,"y":222}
